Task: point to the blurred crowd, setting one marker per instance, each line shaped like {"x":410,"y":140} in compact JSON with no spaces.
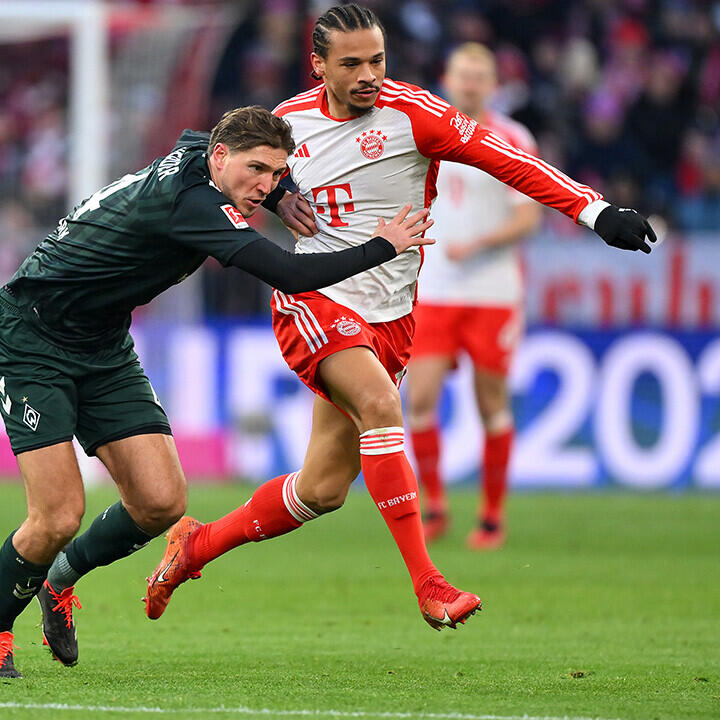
{"x":622,"y":94}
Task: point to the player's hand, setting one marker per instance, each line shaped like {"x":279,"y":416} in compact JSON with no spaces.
{"x":459,"y":252}
{"x":403,"y":231}
{"x":625,"y":229}
{"x":295,"y":211}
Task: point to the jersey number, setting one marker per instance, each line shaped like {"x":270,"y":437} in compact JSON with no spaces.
{"x":332,"y":195}
{"x":93,"y":202}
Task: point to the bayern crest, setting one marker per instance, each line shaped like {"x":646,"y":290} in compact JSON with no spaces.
{"x":372,"y":143}
{"x":347,"y":326}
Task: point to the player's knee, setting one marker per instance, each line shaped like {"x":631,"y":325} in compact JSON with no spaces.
{"x":160,"y":513}
{"x":58,"y":528}
{"x":421,"y":406}
{"x":420,"y":419}
{"x":381,"y":409}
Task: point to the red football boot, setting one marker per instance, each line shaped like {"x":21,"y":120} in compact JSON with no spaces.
{"x":487,"y":536}
{"x":7,"y":650}
{"x":435,"y":525}
{"x":442,"y":605}
{"x":173,"y":568}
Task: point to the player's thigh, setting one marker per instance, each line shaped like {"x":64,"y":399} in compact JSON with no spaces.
{"x":359,"y":385}
{"x":147,"y":471}
{"x":426,"y":375}
{"x":38,"y":396}
{"x":332,"y":460}
{"x":55,"y":501}
{"x":117,"y":401}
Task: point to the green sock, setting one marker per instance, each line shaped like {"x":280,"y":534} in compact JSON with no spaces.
{"x":20,"y":581}
{"x":112,"y":535}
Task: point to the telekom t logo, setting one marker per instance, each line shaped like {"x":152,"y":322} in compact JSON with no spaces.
{"x":332,"y":202}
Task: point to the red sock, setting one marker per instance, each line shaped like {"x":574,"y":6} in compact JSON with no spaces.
{"x":426,"y":445}
{"x":495,"y":471}
{"x":274,"y":509}
{"x":392,"y":485}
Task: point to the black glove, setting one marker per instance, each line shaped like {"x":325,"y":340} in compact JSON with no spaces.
{"x":624,"y":228}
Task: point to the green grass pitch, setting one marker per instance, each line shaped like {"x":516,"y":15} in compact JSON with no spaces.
{"x":600,"y":606}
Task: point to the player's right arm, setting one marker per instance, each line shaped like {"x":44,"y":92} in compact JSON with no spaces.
{"x":204,"y":220}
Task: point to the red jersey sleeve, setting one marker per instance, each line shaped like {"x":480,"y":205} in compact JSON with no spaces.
{"x":442,"y":132}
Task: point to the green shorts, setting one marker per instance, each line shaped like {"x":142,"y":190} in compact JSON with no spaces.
{"x":48,"y":394}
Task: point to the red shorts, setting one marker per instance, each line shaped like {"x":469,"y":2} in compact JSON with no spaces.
{"x":310,"y":326}
{"x":488,"y":334}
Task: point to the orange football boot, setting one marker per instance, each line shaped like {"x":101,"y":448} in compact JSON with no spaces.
{"x":173,"y":568}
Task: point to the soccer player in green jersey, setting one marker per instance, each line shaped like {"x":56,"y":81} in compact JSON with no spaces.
{"x":67,"y":364}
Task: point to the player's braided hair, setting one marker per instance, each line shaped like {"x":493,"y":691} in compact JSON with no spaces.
{"x":247,"y":127}
{"x":344,"y":18}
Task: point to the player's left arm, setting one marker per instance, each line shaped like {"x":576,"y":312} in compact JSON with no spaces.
{"x":293,"y":209}
{"x":456,"y":137}
{"x":524,"y":219}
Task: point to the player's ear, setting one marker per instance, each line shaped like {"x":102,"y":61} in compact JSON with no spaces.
{"x":318,"y":66}
{"x":220,"y":153}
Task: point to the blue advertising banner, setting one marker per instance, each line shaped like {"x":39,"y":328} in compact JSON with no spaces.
{"x":633,"y":407}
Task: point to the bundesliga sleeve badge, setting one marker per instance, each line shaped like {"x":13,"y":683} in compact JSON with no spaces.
{"x":234,"y":216}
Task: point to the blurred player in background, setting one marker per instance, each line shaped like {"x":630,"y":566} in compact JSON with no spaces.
{"x":68,"y":367}
{"x":366,"y":144}
{"x":470,"y":300}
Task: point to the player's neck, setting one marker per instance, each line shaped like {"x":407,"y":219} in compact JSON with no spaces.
{"x":212,"y":173}
{"x":339,"y":110}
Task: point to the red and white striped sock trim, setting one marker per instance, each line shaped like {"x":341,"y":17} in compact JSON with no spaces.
{"x":382,"y":441}
{"x":296,"y":507}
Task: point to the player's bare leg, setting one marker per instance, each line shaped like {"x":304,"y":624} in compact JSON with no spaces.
{"x":494,"y":405}
{"x":56,"y":503}
{"x":152,"y":488}
{"x":331,"y":464}
{"x":332,"y":460}
{"x":426,"y":375}
{"x":148,"y":474}
{"x":359,"y":384}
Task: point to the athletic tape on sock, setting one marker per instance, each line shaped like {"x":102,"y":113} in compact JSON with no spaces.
{"x":381,"y":441}
{"x":301,"y":512}
{"x":499,"y":422}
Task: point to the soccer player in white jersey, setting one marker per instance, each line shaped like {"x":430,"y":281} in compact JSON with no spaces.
{"x":366,"y":145}
{"x":470,"y":300}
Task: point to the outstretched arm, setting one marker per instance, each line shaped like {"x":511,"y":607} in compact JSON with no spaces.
{"x":442,"y":132}
{"x":295,"y":273}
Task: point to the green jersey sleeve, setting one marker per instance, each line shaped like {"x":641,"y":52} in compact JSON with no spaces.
{"x":203,"y":219}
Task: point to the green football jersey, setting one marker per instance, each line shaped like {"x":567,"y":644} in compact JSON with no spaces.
{"x":124,"y":245}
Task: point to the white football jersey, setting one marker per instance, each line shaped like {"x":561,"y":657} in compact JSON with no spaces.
{"x":356,"y":170}
{"x":471,"y":203}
